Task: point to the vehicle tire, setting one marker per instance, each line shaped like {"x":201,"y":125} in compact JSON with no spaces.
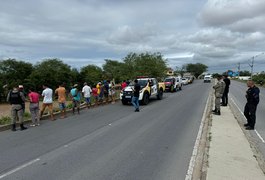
{"x":124,"y":102}
{"x":145,"y":99}
{"x":160,"y":94}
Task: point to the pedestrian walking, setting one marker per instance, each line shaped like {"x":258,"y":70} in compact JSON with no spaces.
{"x":86,"y":90}
{"x":34,"y":107}
{"x":252,"y":96}
{"x":16,"y":99}
{"x":136,"y":93}
{"x":76,"y":98}
{"x":219,"y":90}
{"x":226,"y":90}
{"x":61,"y":93}
{"x":47,"y":101}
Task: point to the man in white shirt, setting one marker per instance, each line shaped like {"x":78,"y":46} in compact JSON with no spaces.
{"x":87,"y":91}
{"x":47,"y":101}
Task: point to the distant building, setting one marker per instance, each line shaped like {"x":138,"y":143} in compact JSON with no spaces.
{"x":170,"y":72}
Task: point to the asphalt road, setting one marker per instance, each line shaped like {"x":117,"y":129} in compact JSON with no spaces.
{"x":110,"y":142}
{"x":237,"y":95}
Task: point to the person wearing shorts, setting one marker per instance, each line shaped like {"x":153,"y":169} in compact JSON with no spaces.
{"x":61,"y":92}
{"x":76,"y":98}
{"x":47,"y":101}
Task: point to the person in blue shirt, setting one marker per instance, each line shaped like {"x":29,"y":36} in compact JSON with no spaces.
{"x":76,"y":98}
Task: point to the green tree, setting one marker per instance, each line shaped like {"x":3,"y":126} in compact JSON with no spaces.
{"x":91,"y":74}
{"x":245,"y":73}
{"x":145,"y":64}
{"x":51,"y":72}
{"x":114,"y":70}
{"x":13,"y":72}
{"x":196,"y":69}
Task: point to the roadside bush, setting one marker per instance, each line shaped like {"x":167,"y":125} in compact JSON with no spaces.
{"x":259,"y":78}
{"x":5,"y":120}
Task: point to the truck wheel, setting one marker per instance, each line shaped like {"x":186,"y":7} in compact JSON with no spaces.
{"x":124,"y":102}
{"x":145,"y":100}
{"x":160,"y":94}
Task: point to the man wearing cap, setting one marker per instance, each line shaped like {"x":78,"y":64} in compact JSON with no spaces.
{"x":87,"y":93}
{"x":219,"y":90}
{"x":16,"y":99}
{"x":76,"y":98}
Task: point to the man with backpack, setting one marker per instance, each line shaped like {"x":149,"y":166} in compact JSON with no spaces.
{"x":16,"y":99}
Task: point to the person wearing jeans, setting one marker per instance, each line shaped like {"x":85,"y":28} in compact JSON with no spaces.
{"x":136,"y":93}
{"x":34,"y":107}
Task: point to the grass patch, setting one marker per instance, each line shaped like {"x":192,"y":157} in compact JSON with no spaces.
{"x":5,"y":120}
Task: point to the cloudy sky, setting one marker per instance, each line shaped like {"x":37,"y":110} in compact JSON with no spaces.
{"x":218,"y":33}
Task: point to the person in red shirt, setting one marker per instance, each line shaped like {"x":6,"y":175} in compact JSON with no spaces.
{"x":123,"y":85}
{"x":34,"y":107}
{"x":95,"y":94}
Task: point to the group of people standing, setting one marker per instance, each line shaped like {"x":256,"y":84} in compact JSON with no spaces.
{"x":252,"y":96}
{"x":17,"y":98}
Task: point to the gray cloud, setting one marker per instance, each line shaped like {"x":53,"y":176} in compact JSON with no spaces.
{"x":88,"y":31}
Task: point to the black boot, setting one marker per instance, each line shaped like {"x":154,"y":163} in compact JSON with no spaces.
{"x":217,"y":112}
{"x":22,"y":127}
{"x":13,"y":128}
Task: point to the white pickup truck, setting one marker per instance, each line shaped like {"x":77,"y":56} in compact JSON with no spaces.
{"x":153,"y":90}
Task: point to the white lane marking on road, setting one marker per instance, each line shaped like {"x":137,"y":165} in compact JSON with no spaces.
{"x":19,"y":168}
{"x":196,"y":145}
{"x":258,"y":134}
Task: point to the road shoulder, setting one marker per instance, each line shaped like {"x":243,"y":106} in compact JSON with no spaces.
{"x":230,"y":154}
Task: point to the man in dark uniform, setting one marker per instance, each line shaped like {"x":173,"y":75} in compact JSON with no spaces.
{"x":225,"y":94}
{"x":16,"y":98}
{"x":252,"y":96}
{"x":136,"y":93}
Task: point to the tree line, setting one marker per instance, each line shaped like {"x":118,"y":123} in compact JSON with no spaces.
{"x":54,"y":72}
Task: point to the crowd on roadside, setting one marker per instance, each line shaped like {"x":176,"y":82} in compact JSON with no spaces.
{"x":102,"y":93}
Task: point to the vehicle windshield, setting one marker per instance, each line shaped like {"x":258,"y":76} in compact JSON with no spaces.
{"x":142,"y":82}
{"x":183,"y":78}
{"x":168,"y":80}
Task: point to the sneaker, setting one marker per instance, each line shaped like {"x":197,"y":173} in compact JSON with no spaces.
{"x":37,"y":124}
{"x":32,"y":125}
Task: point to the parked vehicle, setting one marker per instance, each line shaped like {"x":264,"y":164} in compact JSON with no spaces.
{"x":172,"y":84}
{"x":150,"y":88}
{"x":185,"y":81}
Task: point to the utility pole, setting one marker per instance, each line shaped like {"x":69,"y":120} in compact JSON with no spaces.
{"x":251,"y":66}
{"x":238,"y":68}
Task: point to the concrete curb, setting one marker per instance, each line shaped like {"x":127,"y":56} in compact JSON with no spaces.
{"x":200,"y":166}
{"x":56,"y":114}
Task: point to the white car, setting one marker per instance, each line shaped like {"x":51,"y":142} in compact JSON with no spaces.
{"x":185,"y":81}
